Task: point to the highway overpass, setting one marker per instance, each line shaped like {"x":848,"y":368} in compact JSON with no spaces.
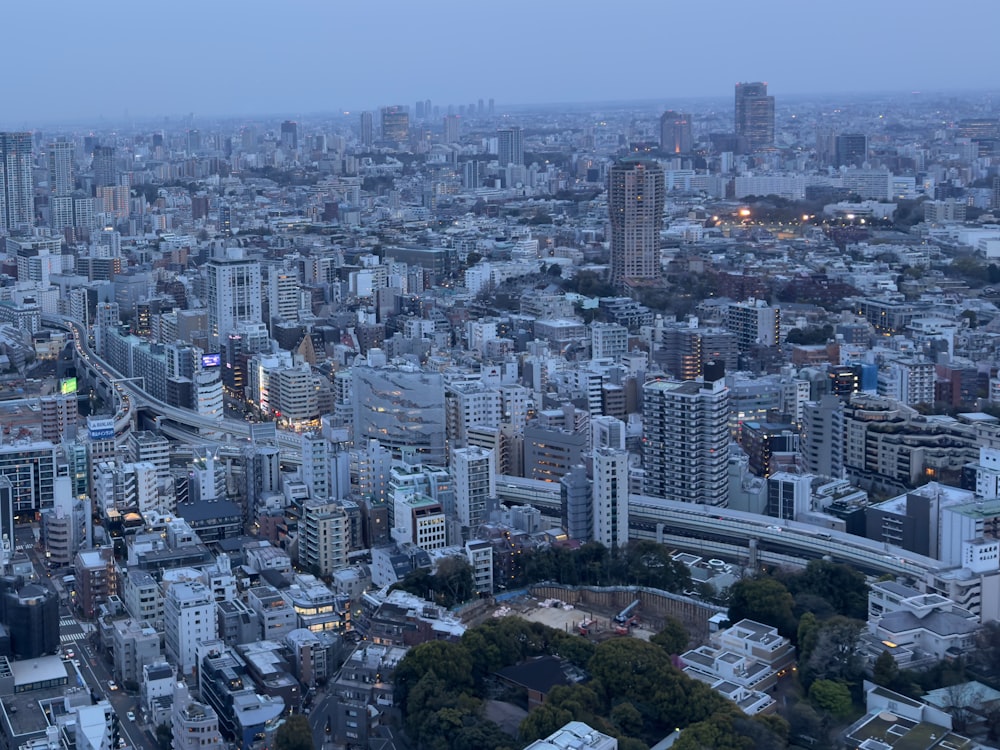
{"x":131,"y":397}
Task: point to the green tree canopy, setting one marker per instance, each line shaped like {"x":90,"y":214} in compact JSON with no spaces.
{"x":832,"y":697}
{"x":294,"y":734}
{"x":764,"y":600}
{"x":673,"y":638}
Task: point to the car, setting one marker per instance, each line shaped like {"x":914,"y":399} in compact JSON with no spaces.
{"x":112,"y":685}
{"x":130,"y":715}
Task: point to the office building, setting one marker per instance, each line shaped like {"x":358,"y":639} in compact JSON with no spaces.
{"x":395,"y":124}
{"x":31,"y":470}
{"x":451,"y":123}
{"x":470,"y":174}
{"x":290,"y":134}
{"x":401,"y":407}
{"x":234,"y":293}
{"x":510,"y":146}
{"x":850,"y":150}
{"x":686,"y":438}
{"x":103,"y":166}
{"x":675,"y":133}
{"x":17,"y":198}
{"x":636,"y":196}
{"x":367,"y":137}
{"x":755,"y":115}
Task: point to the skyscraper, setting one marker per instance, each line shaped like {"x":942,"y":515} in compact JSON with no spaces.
{"x":636,"y":195}
{"x":850,"y":150}
{"x":675,"y":132}
{"x":290,"y":134}
{"x":395,"y":124}
{"x":510,"y":146}
{"x":755,"y":115}
{"x":61,"y":185}
{"x":367,"y":129}
{"x":61,"y":168}
{"x":451,"y":123}
{"x":610,"y":497}
{"x":17,"y":204}
{"x":234,"y":293}
{"x":475,"y":483}
{"x":685,"y":439}
{"x":104,"y":166}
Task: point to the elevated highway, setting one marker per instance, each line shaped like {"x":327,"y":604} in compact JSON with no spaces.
{"x":132,"y":397}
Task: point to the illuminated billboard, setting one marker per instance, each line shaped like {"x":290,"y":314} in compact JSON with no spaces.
{"x":67,"y":386}
{"x":211,"y":360}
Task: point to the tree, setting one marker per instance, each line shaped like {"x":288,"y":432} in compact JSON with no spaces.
{"x":835,"y":655}
{"x":843,"y":587}
{"x":453,"y":581}
{"x":294,"y":734}
{"x":832,"y":697}
{"x":804,"y":723}
{"x":886,"y":671}
{"x":164,"y":736}
{"x":674,"y":637}
{"x":627,"y":719}
{"x":765,"y":600}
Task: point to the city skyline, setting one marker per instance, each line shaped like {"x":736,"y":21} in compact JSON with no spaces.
{"x":209,"y":60}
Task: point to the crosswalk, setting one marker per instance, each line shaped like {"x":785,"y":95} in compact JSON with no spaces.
{"x":72,"y":637}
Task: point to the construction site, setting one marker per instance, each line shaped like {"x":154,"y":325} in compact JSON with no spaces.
{"x":600,"y":613}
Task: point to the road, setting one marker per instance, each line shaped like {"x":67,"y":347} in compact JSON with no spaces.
{"x":132,"y":396}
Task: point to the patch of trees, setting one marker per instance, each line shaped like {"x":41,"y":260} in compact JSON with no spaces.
{"x":810,"y":335}
{"x":589,"y":284}
{"x":452,"y":583}
{"x":639,"y":563}
{"x":780,"y":599}
{"x":294,"y":734}
{"x":635,"y":693}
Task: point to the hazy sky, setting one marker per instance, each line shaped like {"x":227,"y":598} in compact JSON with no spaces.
{"x":72,"y":60}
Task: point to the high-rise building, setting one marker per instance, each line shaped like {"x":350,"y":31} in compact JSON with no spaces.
{"x":510,"y":146}
{"x":686,"y":438}
{"x":189,"y":616}
{"x":610,"y":497}
{"x":451,"y":123}
{"x":290,"y":134}
{"x":850,"y":150}
{"x":636,"y":196}
{"x":367,"y":129}
{"x":17,"y":200}
{"x":822,"y":443}
{"x":755,"y":323}
{"x":470,"y":174}
{"x":475,"y":483}
{"x":675,"y":132}
{"x":234,"y":293}
{"x":395,"y":124}
{"x":61,"y":170}
{"x":755,"y":115}
{"x":324,"y":537}
{"x":104,"y":167}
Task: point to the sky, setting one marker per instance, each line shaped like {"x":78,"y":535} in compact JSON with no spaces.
{"x":68,"y":60}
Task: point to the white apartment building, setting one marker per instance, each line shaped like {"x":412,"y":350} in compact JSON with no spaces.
{"x":189,"y":616}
